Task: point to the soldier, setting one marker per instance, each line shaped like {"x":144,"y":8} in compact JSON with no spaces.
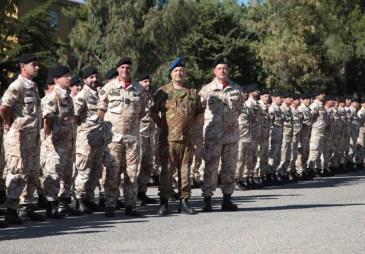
{"x":297,"y":128}
{"x":146,"y":139}
{"x":75,"y":86}
{"x":58,"y":115}
{"x":263,"y":150}
{"x":253,"y":173}
{"x":305,"y":133}
{"x":328,"y":147}
{"x":89,"y":142}
{"x":197,"y":164}
{"x":316,"y":141}
{"x":360,"y":144}
{"x":286,"y":144}
{"x":354,"y":132}
{"x":121,"y":106}
{"x":348,"y":158}
{"x":276,"y":133}
{"x":20,"y":111}
{"x":2,"y":164}
{"x":337,"y":130}
{"x":222,"y":100}
{"x":178,"y":107}
{"x":341,"y":151}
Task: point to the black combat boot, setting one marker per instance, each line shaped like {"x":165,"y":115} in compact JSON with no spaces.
{"x":27,"y":211}
{"x":131,"y":211}
{"x":227,"y":204}
{"x":184,"y":207}
{"x":91,"y":205}
{"x":109,"y":212}
{"x":2,"y":196}
{"x":164,"y":207}
{"x":66,"y":209}
{"x":82,"y":208}
{"x":42,"y":201}
{"x":102,"y":203}
{"x":3,"y":224}
{"x":12,"y":218}
{"x":52,"y":211}
{"x":207,"y":204}
{"x":145,"y":199}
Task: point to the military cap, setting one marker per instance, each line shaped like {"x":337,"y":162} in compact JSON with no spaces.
{"x":27,"y":58}
{"x":220,"y":60}
{"x":124,"y":60}
{"x":306,"y":95}
{"x":59,"y":71}
{"x":49,"y":81}
{"x":287,"y":94}
{"x":178,"y":62}
{"x":252,"y":87}
{"x":144,"y":76}
{"x":347,"y":97}
{"x":75,"y":80}
{"x":341,"y":99}
{"x":362,"y":100}
{"x":112,"y":73}
{"x":330,"y":97}
{"x":277,"y":94}
{"x":264,"y":91}
{"x":296,"y":97}
{"x":317,"y":92}
{"x":88,"y":71}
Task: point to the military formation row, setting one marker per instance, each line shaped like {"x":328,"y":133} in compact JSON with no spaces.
{"x":69,"y":143}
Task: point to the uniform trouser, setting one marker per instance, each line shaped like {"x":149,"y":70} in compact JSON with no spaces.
{"x":303,"y":150}
{"x":2,"y":166}
{"x":339,"y":156}
{"x":262,"y":166}
{"x":146,"y":164}
{"x":22,"y":166}
{"x":347,"y":143}
{"x":179,"y":159}
{"x":327,"y":153}
{"x":156,"y":152}
{"x":250,"y":169}
{"x":285,"y":156}
{"x":197,"y":160}
{"x":353,"y":142}
{"x":276,"y":137}
{"x":242,"y":158}
{"x":88,"y":166}
{"x":57,"y":173}
{"x":316,"y":144}
{"x":360,"y":153}
{"x":120,"y":158}
{"x":213,"y":153}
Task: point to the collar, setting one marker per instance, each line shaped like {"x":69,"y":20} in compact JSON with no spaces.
{"x":26,"y":82}
{"x":64,"y":92}
{"x":220,"y":85}
{"x":123,"y":84}
{"x":95,"y":93}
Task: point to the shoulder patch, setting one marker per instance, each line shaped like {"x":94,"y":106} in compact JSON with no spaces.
{"x":102,"y":92}
{"x":14,"y":91}
{"x":51,"y":103}
{"x":80,"y":100}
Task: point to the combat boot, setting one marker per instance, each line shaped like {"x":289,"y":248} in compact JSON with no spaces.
{"x":3,"y":224}
{"x":131,"y":211}
{"x":42,"y":201}
{"x":164,"y":208}
{"x":145,"y":199}
{"x":82,"y":208}
{"x":65,"y":209}
{"x":2,"y":196}
{"x":227,"y":204}
{"x":109,"y":212}
{"x":102,"y":203}
{"x":12,"y":218}
{"x":184,"y":207}
{"x":92,"y":206}
{"x":27,"y":211}
{"x":207,"y":204}
{"x":52,"y":211}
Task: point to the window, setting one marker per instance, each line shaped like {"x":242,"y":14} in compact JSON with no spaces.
{"x":55,"y":18}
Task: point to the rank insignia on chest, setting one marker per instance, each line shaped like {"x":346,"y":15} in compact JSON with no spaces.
{"x":127,"y":101}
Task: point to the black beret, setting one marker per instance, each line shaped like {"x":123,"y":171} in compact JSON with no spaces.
{"x":49,"y":81}
{"x":59,"y":71}
{"x":306,"y":95}
{"x":317,"y":92}
{"x":362,"y":100}
{"x":144,"y":76}
{"x":220,"y":60}
{"x":252,"y":87}
{"x":88,"y":71}
{"x":264,"y":91}
{"x":296,"y":97}
{"x":341,"y":99}
{"x":27,"y":58}
{"x":277,"y":94}
{"x":330,"y":97}
{"x":124,"y":60}
{"x":112,"y":73}
{"x":287,"y":94}
{"x":75,"y":80}
{"x":347,"y":97}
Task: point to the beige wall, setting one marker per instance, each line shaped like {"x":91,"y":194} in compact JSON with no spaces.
{"x":64,"y":24}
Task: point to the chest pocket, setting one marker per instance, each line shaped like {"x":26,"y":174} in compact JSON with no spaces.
{"x":115,"y":104}
{"x":30,"y":104}
{"x":64,"y":108}
{"x":133,"y":102}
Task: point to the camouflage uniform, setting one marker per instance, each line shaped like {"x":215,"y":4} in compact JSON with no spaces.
{"x":297,"y":128}
{"x":341,"y":150}
{"x":348,"y":134}
{"x":286,"y":144}
{"x":89,"y":144}
{"x":328,"y":147}
{"x":354,"y":132}
{"x":197,"y":165}
{"x":263,"y":150}
{"x":2,"y":158}
{"x":124,"y":108}
{"x":178,"y":108}
{"x":337,"y":132}
{"x":360,"y":144}
{"x":22,"y":155}
{"x":303,"y":146}
{"x":57,"y":173}
{"x":276,"y":136}
{"x":146,"y":138}
{"x":244,"y":123}
{"x":220,"y":135}
{"x":316,"y":142}
{"x":255,"y":112}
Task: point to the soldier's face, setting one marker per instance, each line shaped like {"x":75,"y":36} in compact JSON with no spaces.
{"x":221,"y":71}
{"x":30,"y":69}
{"x":342,"y":104}
{"x":75,"y":89}
{"x":146,"y":84}
{"x":277,"y":100}
{"x":92,"y":81}
{"x":363,"y":104}
{"x":348,"y":102}
{"x":295,"y":103}
{"x":265,"y":98}
{"x":288,"y":100}
{"x":125,"y":71}
{"x":178,"y":74}
{"x":306,"y":101}
{"x":64,"y":81}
